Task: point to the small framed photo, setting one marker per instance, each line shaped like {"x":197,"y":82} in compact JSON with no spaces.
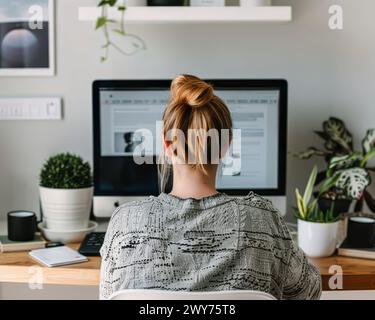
{"x":27,"y":44}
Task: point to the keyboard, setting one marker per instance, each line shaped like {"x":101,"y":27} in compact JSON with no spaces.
{"x":92,"y":243}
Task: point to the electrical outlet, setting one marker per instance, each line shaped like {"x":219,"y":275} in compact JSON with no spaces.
{"x":30,"y":108}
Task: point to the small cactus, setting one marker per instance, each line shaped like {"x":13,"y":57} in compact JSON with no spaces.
{"x":66,"y":171}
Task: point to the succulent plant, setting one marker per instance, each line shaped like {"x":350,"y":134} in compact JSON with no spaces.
{"x":66,"y":171}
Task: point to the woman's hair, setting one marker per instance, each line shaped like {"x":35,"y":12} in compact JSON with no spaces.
{"x":198,"y":125}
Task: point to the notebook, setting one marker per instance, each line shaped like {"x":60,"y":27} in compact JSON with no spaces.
{"x":347,"y":251}
{"x":7,"y":245}
{"x":58,"y":256}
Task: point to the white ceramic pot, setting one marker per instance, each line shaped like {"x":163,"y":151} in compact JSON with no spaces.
{"x":318,"y":240}
{"x":74,"y":236}
{"x":66,"y":209}
{"x":255,"y":3}
{"x":135,"y":3}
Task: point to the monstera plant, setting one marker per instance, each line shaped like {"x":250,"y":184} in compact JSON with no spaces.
{"x":347,"y":175}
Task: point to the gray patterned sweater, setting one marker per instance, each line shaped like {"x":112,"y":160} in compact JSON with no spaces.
{"x":215,"y":243}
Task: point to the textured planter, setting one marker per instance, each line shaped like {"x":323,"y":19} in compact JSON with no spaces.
{"x":65,"y":209}
{"x":318,"y":240}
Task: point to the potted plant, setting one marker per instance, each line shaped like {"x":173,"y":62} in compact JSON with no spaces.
{"x":66,"y":191}
{"x":347,"y":174}
{"x":318,"y":230}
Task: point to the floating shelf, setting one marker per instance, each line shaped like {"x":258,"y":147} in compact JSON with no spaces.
{"x":192,"y":14}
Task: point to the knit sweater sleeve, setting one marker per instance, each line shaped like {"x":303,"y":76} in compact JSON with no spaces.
{"x":108,"y":264}
{"x":303,"y":280}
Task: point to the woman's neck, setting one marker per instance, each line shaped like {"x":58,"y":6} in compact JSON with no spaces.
{"x":192,"y":183}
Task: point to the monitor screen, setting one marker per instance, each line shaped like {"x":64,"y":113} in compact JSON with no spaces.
{"x":127,"y":114}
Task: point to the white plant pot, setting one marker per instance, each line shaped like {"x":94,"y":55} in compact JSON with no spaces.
{"x":318,"y":240}
{"x":135,"y":3}
{"x":255,"y":3}
{"x":66,"y":209}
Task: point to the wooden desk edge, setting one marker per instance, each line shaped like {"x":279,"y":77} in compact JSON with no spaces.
{"x":18,"y":267}
{"x":26,"y":270}
{"x":91,"y":277}
{"x":54,"y":276}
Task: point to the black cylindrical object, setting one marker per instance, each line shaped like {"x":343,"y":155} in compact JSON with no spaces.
{"x":165,"y":3}
{"x":361,"y":232}
{"x":21,"y":225}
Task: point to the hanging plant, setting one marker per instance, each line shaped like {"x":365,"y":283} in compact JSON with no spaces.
{"x":112,"y":27}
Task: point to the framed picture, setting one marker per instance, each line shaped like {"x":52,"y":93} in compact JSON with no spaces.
{"x":27,"y":46}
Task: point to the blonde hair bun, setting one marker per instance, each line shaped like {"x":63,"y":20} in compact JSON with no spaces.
{"x":188,"y":93}
{"x":191,"y":90}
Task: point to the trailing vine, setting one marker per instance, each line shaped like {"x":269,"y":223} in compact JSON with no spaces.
{"x":108,"y":26}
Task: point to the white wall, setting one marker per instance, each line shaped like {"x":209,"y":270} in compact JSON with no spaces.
{"x":329,"y":73}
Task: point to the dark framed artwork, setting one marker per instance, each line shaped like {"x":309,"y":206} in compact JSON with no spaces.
{"x":27,"y":45}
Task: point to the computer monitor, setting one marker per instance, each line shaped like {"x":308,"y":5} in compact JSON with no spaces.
{"x":122,"y":109}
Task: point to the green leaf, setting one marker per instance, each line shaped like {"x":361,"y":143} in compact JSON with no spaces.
{"x":121,"y":8}
{"x":310,"y":186}
{"x":338,"y":134}
{"x":107,"y":3}
{"x":100,"y":22}
{"x":310,"y":152}
{"x":311,"y":207}
{"x":346,"y":161}
{"x":354,"y":181}
{"x":301,"y":205}
{"x":328,"y":184}
{"x":368,"y":142}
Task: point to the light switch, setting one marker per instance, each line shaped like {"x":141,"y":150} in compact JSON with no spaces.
{"x":31,"y":108}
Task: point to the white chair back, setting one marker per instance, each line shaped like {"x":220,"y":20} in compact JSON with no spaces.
{"x":144,"y":294}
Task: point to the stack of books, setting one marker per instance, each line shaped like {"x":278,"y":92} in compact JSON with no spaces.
{"x":7,"y":245}
{"x":363,"y":253}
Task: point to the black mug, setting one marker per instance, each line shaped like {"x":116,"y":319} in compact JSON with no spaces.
{"x":21,"y":225}
{"x":361,"y":232}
